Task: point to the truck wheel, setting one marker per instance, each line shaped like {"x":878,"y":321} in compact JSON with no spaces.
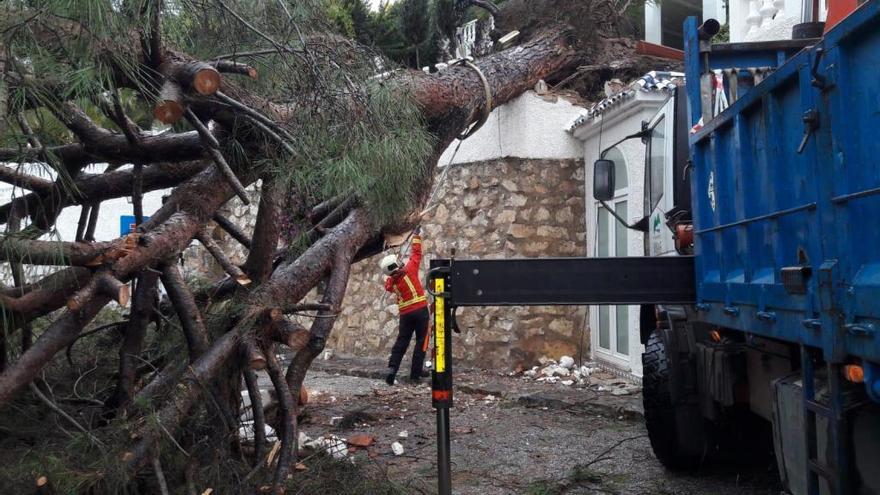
{"x":675,"y":427}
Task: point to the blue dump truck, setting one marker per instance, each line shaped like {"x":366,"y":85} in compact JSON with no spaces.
{"x":760,"y":286}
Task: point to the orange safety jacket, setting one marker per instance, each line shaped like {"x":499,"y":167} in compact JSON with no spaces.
{"x":405,"y":283}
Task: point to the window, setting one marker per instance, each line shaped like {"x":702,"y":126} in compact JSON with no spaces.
{"x":656,"y":160}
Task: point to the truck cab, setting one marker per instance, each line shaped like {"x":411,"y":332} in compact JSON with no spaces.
{"x":666,"y":221}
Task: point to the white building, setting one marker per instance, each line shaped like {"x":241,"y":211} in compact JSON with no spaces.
{"x":114,"y":220}
{"x":529,"y":126}
{"x":614,"y":330}
{"x":750,"y":20}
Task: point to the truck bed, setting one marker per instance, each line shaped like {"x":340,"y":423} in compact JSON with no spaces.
{"x":788,"y":242}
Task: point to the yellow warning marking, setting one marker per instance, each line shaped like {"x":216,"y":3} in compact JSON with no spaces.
{"x":440,"y":326}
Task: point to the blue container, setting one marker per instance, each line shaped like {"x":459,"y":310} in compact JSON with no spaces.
{"x":788,"y":242}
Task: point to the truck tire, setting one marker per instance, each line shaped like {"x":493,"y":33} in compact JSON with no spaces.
{"x":675,"y":426}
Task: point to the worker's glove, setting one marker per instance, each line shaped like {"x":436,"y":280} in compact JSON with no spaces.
{"x":417,"y":230}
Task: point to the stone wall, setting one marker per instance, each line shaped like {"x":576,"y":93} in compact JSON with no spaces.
{"x":198,"y":262}
{"x":504,"y":208}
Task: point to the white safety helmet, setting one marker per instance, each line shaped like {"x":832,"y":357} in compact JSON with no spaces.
{"x":389,"y":264}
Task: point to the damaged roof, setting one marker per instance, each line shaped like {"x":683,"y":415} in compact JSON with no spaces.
{"x":654,"y":81}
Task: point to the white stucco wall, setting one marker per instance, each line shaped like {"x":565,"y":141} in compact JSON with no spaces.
{"x":529,"y":126}
{"x":653,"y":23}
{"x":619,"y":122}
{"x":714,"y":9}
{"x":108,"y":226}
{"x":776,"y":28}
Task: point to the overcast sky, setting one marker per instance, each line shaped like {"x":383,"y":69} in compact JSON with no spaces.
{"x":374,"y":4}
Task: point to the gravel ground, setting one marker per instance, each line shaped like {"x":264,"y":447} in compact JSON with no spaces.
{"x":530,"y":438}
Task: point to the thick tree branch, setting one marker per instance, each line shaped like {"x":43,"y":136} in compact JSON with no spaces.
{"x":188,"y":312}
{"x":267,"y":230}
{"x":228,"y":266}
{"x":59,"y":335}
{"x":133,"y":338}
{"x":34,"y":252}
{"x":111,"y":147}
{"x":99,"y":187}
{"x":36,"y":184}
{"x":45,"y":296}
{"x":288,"y":436}
{"x":233,"y":230}
{"x":257,"y":412}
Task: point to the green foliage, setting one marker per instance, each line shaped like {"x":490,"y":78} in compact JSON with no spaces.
{"x":447,"y":17}
{"x":341,"y":18}
{"x":351,"y":18}
{"x":415,"y":21}
{"x":379,"y":159}
{"x":723,"y":35}
{"x":404,"y":31}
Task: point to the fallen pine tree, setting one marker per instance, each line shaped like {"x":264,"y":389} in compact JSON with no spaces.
{"x":253,"y":94}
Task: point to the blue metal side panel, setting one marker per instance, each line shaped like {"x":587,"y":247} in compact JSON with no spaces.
{"x":851,"y":66}
{"x":760,"y":206}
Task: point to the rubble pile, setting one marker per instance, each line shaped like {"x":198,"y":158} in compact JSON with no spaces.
{"x":564,"y":372}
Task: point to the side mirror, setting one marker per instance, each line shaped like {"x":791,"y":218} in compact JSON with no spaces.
{"x":603,"y":179}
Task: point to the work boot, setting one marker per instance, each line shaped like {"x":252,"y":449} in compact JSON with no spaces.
{"x":415,"y":381}
{"x":389,"y":379}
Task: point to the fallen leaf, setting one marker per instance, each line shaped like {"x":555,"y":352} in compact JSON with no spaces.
{"x":361,"y":440}
{"x":463,"y":429}
{"x":300,"y":466}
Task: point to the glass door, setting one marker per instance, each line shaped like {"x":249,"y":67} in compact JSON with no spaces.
{"x":612,"y":323}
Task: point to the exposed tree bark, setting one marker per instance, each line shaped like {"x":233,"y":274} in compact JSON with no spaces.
{"x":187,"y":311}
{"x":233,"y":230}
{"x":228,"y":266}
{"x":104,"y":284}
{"x":145,"y":300}
{"x":267,"y":231}
{"x":115,"y":148}
{"x":20,"y":179}
{"x":21,"y":250}
{"x":257,"y":412}
{"x":59,"y":335}
{"x":91,"y":188}
{"x":44,"y":296}
{"x":287,"y":406}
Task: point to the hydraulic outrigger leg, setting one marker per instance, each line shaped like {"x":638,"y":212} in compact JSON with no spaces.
{"x":441,"y":374}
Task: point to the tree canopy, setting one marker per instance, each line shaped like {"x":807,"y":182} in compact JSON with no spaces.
{"x":215,"y":100}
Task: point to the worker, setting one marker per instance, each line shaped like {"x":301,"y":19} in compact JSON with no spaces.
{"x":412,"y":305}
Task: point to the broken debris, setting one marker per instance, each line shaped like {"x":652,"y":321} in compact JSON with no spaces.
{"x":397,"y":448}
{"x":361,"y":440}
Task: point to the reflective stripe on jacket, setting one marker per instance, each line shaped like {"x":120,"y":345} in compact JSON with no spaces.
{"x":406,"y":284}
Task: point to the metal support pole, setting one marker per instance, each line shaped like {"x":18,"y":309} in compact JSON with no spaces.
{"x":441,"y":375}
{"x":444,"y":463}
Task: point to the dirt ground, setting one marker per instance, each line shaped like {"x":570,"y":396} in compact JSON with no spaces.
{"x":510,"y":435}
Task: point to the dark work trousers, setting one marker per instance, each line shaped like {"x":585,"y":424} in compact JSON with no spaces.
{"x":412,"y":323}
